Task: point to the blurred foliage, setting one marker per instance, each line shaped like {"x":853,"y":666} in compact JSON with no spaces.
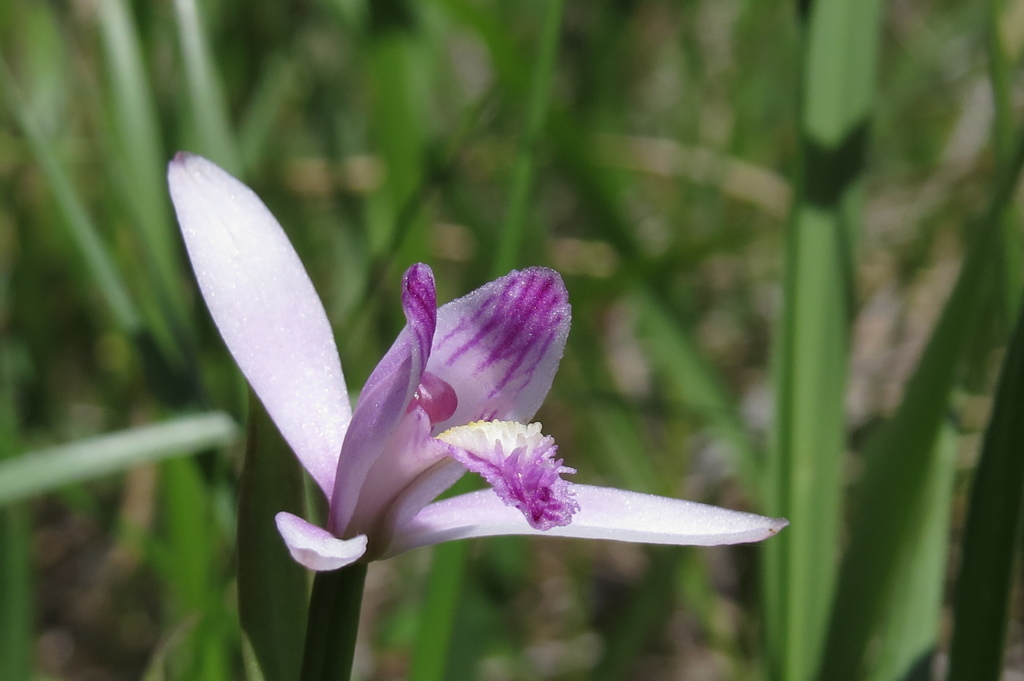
{"x":759,"y":209}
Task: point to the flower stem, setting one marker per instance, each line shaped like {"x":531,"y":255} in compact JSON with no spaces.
{"x":333,"y":624}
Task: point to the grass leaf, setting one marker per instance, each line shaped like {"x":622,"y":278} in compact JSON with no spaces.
{"x":44,"y":470}
{"x":272,"y":588}
{"x":992,"y":532}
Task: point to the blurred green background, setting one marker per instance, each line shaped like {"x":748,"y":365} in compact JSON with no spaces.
{"x":760,"y":210}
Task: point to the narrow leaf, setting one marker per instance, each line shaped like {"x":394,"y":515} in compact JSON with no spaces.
{"x":80,"y":226}
{"x":992,"y":532}
{"x":211,"y":113}
{"x":891,"y":496}
{"x":47,"y":469}
{"x":272,"y":587}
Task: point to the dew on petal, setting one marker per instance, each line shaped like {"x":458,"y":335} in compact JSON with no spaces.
{"x":519,"y":463}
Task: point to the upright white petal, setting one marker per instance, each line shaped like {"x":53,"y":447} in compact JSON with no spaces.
{"x":605,"y":513}
{"x":266,"y":310}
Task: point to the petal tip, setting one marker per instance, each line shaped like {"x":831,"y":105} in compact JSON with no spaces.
{"x":183,"y":160}
{"x":316,"y":548}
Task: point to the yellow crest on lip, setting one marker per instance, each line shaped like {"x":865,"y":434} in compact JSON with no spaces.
{"x":480,"y":436}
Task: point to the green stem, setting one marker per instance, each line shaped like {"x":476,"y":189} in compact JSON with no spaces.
{"x":333,"y":624}
{"x":511,"y":238}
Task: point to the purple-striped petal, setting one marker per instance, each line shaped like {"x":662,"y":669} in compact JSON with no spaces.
{"x":499,"y":346}
{"x":605,"y":513}
{"x":315,"y":547}
{"x":385,"y":398}
{"x":266,"y":310}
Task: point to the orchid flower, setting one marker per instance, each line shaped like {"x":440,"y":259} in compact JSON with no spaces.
{"x":455,"y":392}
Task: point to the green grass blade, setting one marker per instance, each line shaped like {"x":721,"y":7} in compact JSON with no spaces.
{"x":256,"y":128}
{"x":82,"y":231}
{"x":514,"y":230}
{"x":1000,"y":75}
{"x":839,"y":69}
{"x":136,"y":127}
{"x":989,"y":553}
{"x":396,"y":70}
{"x":192,"y":569}
{"x":206,"y":97}
{"x":892,"y":494}
{"x":1000,"y":71}
{"x":272,"y":587}
{"x":908,"y":632}
{"x":810,"y":441}
{"x":44,"y":470}
{"x":805,"y":472}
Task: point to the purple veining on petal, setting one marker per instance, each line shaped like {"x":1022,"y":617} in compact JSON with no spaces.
{"x":511,"y":329}
{"x":499,"y":346}
{"x":436,"y":397}
{"x":419,"y":301}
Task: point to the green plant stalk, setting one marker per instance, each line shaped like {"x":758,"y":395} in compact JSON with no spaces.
{"x":805,"y":483}
{"x":333,"y":624}
{"x":272,"y":587}
{"x":806,"y":467}
{"x":513,"y":231}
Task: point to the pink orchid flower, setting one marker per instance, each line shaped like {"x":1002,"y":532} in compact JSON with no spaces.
{"x":455,"y":392}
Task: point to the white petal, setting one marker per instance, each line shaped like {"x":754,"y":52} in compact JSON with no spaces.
{"x":315,"y":547}
{"x":266,"y":310}
{"x":605,"y":513}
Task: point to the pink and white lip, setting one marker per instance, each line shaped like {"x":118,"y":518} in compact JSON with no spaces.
{"x":455,"y":392}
